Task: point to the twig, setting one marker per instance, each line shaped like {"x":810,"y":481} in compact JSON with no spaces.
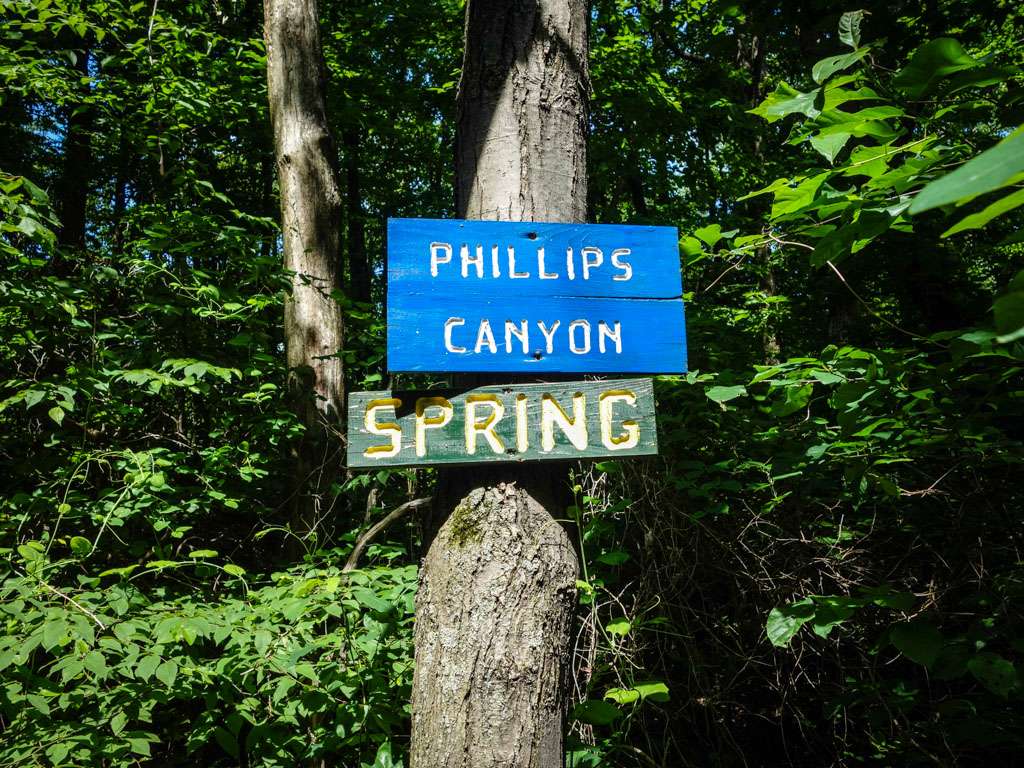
{"x":75,"y":603}
{"x":867,"y":306}
{"x":728,"y":269}
{"x":353,"y":560}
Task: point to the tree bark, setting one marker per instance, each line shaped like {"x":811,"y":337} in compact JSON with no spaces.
{"x":310,"y":221}
{"x":497,"y":586}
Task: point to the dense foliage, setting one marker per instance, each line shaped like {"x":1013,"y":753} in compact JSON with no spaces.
{"x":822,"y":567}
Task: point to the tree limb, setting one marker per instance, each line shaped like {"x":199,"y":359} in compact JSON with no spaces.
{"x":353,"y":560}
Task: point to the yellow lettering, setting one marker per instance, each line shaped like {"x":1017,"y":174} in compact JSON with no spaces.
{"x":606,"y":405}
{"x":387,"y":429}
{"x":424,"y":422}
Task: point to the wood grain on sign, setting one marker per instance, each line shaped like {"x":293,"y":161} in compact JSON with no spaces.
{"x":513,"y":422}
{"x":533,"y":298}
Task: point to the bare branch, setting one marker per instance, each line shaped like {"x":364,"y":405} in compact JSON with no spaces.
{"x":353,"y":560}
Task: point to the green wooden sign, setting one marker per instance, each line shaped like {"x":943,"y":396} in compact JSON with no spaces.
{"x":511,"y":422}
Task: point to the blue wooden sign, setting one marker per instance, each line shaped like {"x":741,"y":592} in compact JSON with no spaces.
{"x":533,"y":298}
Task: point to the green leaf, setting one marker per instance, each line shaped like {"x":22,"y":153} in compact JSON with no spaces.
{"x":161,"y":564}
{"x":849,"y":27}
{"x":786,"y":100}
{"x":596,"y":712}
{"x":54,"y":633}
{"x":784,"y":622}
{"x":584,"y":586}
{"x":118,"y":722}
{"x":616,"y":557}
{"x":930,"y":63}
{"x":796,"y":399}
{"x":147,"y":667}
{"x":384,"y":757}
{"x":830,"y":612}
{"x":39,"y":703}
{"x":790,"y":199}
{"x":655,"y":690}
{"x":710,"y":234}
{"x":202,"y":554}
{"x":815,"y":452}
{"x":918,"y":641}
{"x":95,"y":663}
{"x":992,"y":169}
{"x":234,"y":570}
{"x":80,"y":546}
{"x":691,"y":247}
{"x":619,"y":627}
{"x":995,"y":673}
{"x":58,"y":752}
{"x":851,"y":237}
{"x":167,"y":673}
{"x":830,"y":145}
{"x":725,"y":394}
{"x":57,"y":414}
{"x":226,"y":741}
{"x":1009,"y":316}
{"x":981,"y":77}
{"x":622,"y":695}
{"x":827,"y":67}
{"x":980,"y":219}
{"x":901,"y":601}
{"x":370,"y":599}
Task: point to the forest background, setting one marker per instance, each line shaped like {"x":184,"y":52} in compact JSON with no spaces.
{"x":822,"y":567}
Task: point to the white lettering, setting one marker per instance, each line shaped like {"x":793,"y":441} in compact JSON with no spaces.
{"x":576,"y":348}
{"x":521,"y":332}
{"x":485,"y":427}
{"x":616,"y":336}
{"x":522,"y":426}
{"x":575,"y":429}
{"x":592,"y":257}
{"x":484,"y":335}
{"x":540,"y":267}
{"x":549,"y":335}
{"x":477,"y":261}
{"x":436,"y":249}
{"x":512,"y":265}
{"x":627,"y":270}
{"x":449,"y":325}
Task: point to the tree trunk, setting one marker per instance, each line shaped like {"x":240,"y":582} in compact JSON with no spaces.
{"x":310,"y":220}
{"x":358,"y":263}
{"x":497,"y":586}
{"x":72,"y":194}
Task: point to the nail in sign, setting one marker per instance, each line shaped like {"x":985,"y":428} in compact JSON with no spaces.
{"x":533,"y":298}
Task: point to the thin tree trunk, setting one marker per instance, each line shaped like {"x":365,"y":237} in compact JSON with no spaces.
{"x":73,"y":191}
{"x":120,"y":194}
{"x":310,"y":217}
{"x":358,"y":264}
{"x":497,"y":585}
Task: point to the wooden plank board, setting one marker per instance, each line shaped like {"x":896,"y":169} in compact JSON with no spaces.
{"x":511,"y":422}
{"x":534,"y":298}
